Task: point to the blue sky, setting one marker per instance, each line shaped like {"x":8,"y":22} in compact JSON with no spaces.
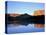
{"x":23,"y":7}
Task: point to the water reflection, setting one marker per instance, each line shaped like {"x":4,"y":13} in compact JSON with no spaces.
{"x":13,"y":28}
{"x":39,"y":25}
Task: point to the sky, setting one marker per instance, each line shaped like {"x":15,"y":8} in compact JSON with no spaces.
{"x":23,"y":7}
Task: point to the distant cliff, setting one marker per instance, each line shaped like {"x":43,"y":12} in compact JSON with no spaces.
{"x":39,"y":12}
{"x":25,"y":18}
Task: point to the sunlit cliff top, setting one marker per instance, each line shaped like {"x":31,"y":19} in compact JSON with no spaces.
{"x":39,"y":12}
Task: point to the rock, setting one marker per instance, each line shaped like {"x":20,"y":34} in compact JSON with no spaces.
{"x":39,"y":12}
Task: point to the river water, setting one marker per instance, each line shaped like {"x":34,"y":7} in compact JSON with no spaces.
{"x":12,"y":28}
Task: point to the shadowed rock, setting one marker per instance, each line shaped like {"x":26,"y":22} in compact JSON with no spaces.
{"x":25,"y":19}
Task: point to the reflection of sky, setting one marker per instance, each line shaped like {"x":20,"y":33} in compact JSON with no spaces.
{"x":23,"y":7}
{"x":21,"y":29}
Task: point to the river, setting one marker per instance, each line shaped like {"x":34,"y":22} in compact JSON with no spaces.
{"x":12,"y":28}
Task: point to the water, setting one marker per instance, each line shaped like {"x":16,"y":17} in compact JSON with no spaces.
{"x":12,"y":28}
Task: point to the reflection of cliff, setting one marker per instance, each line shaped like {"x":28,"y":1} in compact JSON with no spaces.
{"x":39,"y":25}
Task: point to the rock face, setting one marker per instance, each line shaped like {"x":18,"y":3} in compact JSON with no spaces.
{"x":39,"y":12}
{"x":14,"y":15}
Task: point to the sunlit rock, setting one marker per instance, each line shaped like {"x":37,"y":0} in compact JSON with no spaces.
{"x":14,"y":15}
{"x":39,"y":12}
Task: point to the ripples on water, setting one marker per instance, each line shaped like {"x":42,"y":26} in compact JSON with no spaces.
{"x":12,"y":28}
